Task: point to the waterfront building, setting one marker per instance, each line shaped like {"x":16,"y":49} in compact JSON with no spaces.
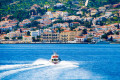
{"x":15,"y":34}
{"x":50,"y":37}
{"x":35,"y":33}
{"x":80,"y":39}
{"x":67,"y":35}
{"x":27,"y":39}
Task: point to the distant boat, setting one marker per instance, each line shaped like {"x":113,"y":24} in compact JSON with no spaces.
{"x":55,"y":58}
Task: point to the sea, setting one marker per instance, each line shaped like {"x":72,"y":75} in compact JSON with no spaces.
{"x":78,"y":62}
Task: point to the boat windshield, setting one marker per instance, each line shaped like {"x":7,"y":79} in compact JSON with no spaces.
{"x":54,"y":59}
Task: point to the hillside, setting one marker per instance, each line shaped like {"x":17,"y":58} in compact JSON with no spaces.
{"x":15,"y":7}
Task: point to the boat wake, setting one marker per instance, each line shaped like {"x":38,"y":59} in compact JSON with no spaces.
{"x":42,"y":69}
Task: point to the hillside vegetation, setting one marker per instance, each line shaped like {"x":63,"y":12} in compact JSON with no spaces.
{"x":16,"y":7}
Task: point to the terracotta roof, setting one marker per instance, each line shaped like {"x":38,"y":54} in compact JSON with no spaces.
{"x":80,"y":36}
{"x":75,"y":22}
{"x":6,"y":27}
{"x":26,"y":36}
{"x":67,"y":31}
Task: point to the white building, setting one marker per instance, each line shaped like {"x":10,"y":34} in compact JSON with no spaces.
{"x":80,"y":39}
{"x":59,"y":5}
{"x":35,"y":33}
{"x":108,"y":14}
{"x":102,"y":9}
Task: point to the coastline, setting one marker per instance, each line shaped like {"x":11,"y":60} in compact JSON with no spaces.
{"x":20,"y":42}
{"x":59,"y":43}
{"x":46,"y":43}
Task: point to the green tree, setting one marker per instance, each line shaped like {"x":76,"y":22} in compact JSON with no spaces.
{"x":6,"y":38}
{"x":20,"y":37}
{"x":38,"y":37}
{"x":118,"y":26}
{"x":105,"y":36}
{"x":13,"y":38}
{"x":7,"y":31}
{"x":110,"y":33}
{"x":28,"y":33}
{"x":33,"y":38}
{"x":88,"y":40}
{"x":0,"y":31}
{"x":84,"y":31}
{"x":111,"y":38}
{"x":21,"y":15}
{"x":117,"y":33}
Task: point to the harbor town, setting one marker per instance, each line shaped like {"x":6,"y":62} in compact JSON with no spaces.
{"x":84,"y":25}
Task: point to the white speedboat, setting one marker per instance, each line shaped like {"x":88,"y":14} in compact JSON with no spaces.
{"x":55,"y":58}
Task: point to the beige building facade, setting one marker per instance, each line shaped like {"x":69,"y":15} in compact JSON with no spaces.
{"x":27,"y":39}
{"x":66,"y":36}
{"x":50,"y":37}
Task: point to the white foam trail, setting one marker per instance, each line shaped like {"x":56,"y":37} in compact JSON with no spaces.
{"x":65,"y":70}
{"x":41,"y":61}
{"x":2,"y":75}
{"x":52,"y":72}
{"x":66,"y":64}
{"x":42,"y":69}
{"x":37,"y":64}
{"x":7,"y":67}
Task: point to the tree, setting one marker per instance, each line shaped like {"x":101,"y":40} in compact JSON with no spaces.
{"x":88,"y":40}
{"x":34,"y":23}
{"x":28,"y":33}
{"x":33,"y":38}
{"x":21,"y":15}
{"x":105,"y":36}
{"x":117,"y":33}
{"x":20,"y":30}
{"x":11,"y":17}
{"x":6,"y":38}
{"x":118,"y":26}
{"x":19,"y":37}
{"x":111,"y":38}
{"x":71,"y":28}
{"x":41,"y":11}
{"x":79,"y":29}
{"x":38,"y":37}
{"x":0,"y":31}
{"x":110,"y":33}
{"x":70,"y":3}
{"x":91,"y":30}
{"x":13,"y":38}
{"x":7,"y":31}
{"x":84,"y":31}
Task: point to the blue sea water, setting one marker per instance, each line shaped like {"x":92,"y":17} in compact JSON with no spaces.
{"x":79,"y":62}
